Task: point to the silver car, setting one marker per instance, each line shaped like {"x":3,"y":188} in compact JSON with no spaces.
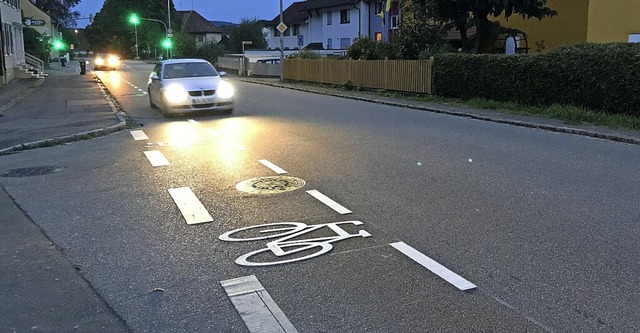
{"x":181,"y":86}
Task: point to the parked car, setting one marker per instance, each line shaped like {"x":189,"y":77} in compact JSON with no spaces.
{"x":102,"y":61}
{"x":181,"y":86}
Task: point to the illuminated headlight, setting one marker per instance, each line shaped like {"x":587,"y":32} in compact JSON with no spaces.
{"x":99,"y":61}
{"x":114,"y":61}
{"x":225,"y":89}
{"x":176,"y":94}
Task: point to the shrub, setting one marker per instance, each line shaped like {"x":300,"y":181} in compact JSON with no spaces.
{"x":603,"y":77}
{"x":365,"y":48}
{"x":305,"y":54}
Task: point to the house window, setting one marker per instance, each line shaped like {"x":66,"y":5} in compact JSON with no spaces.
{"x":329,"y":44}
{"x":329,"y":14}
{"x":345,"y":43}
{"x":344,"y":16}
{"x":200,"y":39}
{"x":378,"y":36}
{"x":395,"y":22}
{"x":276,"y":32}
{"x":287,"y":32}
{"x":296,"y":29}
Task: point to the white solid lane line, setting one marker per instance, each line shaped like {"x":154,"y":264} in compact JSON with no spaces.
{"x":332,"y":204}
{"x":273,"y":167}
{"x":139,"y":135}
{"x":257,"y":309}
{"x":192,"y":210}
{"x":430,"y":264}
{"x":156,"y":158}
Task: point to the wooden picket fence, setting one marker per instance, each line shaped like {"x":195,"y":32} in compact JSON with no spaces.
{"x":412,"y":76}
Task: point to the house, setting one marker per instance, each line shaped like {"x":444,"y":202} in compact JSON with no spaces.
{"x":579,"y":21}
{"x":12,"y":53}
{"x":334,"y":24}
{"x":296,"y":20}
{"x":202,"y":30}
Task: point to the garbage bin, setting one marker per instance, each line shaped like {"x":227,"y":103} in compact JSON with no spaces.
{"x":63,"y":61}
{"x":83,"y":66}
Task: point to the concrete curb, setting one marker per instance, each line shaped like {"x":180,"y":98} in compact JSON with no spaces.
{"x":86,"y":135}
{"x":546,"y":127}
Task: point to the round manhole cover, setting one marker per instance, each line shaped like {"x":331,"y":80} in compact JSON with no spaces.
{"x":268,"y":185}
{"x":28,"y":172}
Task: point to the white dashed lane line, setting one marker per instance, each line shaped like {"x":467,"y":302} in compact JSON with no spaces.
{"x":134,"y":86}
{"x":156,"y":158}
{"x":327,"y":201}
{"x":430,"y":264}
{"x":139,"y":135}
{"x":273,"y":167}
{"x":192,"y":210}
{"x":257,"y":309}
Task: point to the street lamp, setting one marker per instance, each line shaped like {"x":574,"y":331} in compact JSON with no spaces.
{"x":134,"y":19}
{"x":244,"y":60}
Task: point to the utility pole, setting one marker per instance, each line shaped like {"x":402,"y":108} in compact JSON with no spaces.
{"x":281,"y":46}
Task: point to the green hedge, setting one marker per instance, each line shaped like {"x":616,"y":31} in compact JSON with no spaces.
{"x":601,"y":77}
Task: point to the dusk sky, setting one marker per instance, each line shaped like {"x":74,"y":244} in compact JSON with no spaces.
{"x":212,"y":10}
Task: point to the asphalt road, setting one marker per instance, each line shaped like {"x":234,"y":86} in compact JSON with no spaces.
{"x":543,"y":225}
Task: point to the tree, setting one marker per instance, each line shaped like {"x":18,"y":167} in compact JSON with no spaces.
{"x":112,"y":31}
{"x":59,"y":10}
{"x":464,"y":14}
{"x":419,"y":37}
{"x":248,"y":30}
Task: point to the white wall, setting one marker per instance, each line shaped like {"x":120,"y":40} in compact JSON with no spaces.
{"x":12,"y":58}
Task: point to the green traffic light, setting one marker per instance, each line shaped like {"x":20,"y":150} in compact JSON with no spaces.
{"x":167,"y":43}
{"x":58,"y":45}
{"x":134,"y":19}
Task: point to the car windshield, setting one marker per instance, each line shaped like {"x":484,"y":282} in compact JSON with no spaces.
{"x":188,"y":69}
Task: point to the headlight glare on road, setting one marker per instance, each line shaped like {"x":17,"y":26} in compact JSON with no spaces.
{"x":175,"y":93}
{"x":113,"y":61}
{"x":225,"y":89}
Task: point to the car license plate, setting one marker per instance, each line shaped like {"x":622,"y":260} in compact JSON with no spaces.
{"x":202,"y":100}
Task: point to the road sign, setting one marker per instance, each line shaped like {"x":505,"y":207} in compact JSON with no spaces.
{"x":33,"y":22}
{"x":281,"y":27}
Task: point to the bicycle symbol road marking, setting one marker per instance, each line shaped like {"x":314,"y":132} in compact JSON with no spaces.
{"x":284,"y":245}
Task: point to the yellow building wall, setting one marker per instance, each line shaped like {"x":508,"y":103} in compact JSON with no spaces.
{"x":613,"y":21}
{"x":568,"y":27}
{"x":31,"y":11}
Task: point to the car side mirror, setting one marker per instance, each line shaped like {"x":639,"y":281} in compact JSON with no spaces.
{"x":223,"y":73}
{"x":154,"y":76}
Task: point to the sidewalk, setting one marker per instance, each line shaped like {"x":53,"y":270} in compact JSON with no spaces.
{"x":65,"y":106}
{"x":40,"y":291}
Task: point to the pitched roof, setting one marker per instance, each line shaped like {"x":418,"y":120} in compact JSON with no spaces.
{"x":294,"y":14}
{"x":318,"y":4}
{"x":192,"y":22}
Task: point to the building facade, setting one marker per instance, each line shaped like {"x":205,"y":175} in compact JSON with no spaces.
{"x":579,"y":21}
{"x":11,"y":39}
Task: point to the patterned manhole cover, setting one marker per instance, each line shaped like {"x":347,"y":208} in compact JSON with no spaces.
{"x":268,"y":185}
{"x":28,"y":172}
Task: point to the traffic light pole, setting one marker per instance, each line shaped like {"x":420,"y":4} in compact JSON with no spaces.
{"x":165,"y":29}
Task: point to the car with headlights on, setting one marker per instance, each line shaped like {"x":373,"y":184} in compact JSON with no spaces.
{"x":181,"y":86}
{"x":102,"y":61}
